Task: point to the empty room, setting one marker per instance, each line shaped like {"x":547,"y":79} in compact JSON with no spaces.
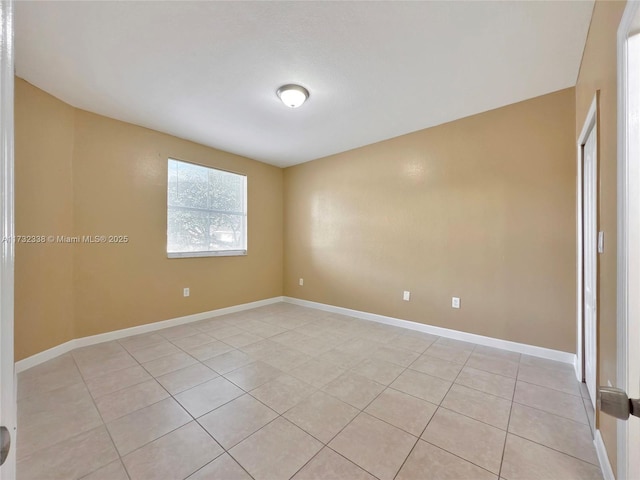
{"x":319,"y":240}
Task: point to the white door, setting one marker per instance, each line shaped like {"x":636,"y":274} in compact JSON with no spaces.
{"x":590,"y":240}
{"x":7,"y":369}
{"x":632,"y":228}
{"x":630,"y":361}
{"x":628,"y":378}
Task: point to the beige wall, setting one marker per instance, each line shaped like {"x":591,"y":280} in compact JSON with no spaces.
{"x":598,"y":72}
{"x":482,"y":208}
{"x":44,"y":205}
{"x":119,"y":187}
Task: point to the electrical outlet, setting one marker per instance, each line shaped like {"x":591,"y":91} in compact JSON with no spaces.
{"x":455,"y":302}
{"x":301,"y":282}
{"x":185,"y":292}
{"x":406,"y":296}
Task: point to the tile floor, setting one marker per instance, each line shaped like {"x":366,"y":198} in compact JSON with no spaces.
{"x":285,"y":392}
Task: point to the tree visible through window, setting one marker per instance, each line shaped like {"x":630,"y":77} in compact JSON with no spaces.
{"x":206,"y":211}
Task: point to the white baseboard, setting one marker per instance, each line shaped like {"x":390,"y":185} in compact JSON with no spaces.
{"x":51,"y":353}
{"x":541,"y":352}
{"x":603,"y":458}
{"x":41,"y":357}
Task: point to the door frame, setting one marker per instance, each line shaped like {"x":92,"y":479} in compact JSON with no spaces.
{"x":590,"y":125}
{"x":628,"y":323}
{"x":7,"y":363}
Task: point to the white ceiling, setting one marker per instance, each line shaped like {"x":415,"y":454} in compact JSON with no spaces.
{"x":209,"y":71}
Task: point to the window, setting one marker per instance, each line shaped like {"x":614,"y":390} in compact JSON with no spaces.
{"x":206,"y":211}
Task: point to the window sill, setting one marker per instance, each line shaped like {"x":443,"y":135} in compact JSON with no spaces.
{"x":223,"y":253}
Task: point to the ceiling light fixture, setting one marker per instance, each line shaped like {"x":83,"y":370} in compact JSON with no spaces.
{"x":293,"y":95}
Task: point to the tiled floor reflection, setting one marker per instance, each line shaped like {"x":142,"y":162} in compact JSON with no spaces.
{"x":284,"y":392}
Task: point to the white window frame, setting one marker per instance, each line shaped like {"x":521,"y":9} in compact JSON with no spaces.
{"x":210,"y":253}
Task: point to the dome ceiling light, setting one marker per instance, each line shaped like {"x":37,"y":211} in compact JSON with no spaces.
{"x":293,"y":95}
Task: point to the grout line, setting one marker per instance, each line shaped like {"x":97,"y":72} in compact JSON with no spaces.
{"x":409,"y":454}
{"x":104,"y":425}
{"x":376,"y":397}
{"x":442,"y":407}
{"x":597,"y":465}
{"x":504,"y":445}
{"x":429,"y":422}
{"x":552,"y":413}
{"x":175,"y":400}
{"x":557,"y":391}
{"x":310,"y":460}
{"x":551,"y":388}
{"x":431,"y":418}
{"x":466,"y":460}
{"x":217,"y":458}
{"x":490,"y":372}
{"x":592,"y":426}
{"x":354,"y":463}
